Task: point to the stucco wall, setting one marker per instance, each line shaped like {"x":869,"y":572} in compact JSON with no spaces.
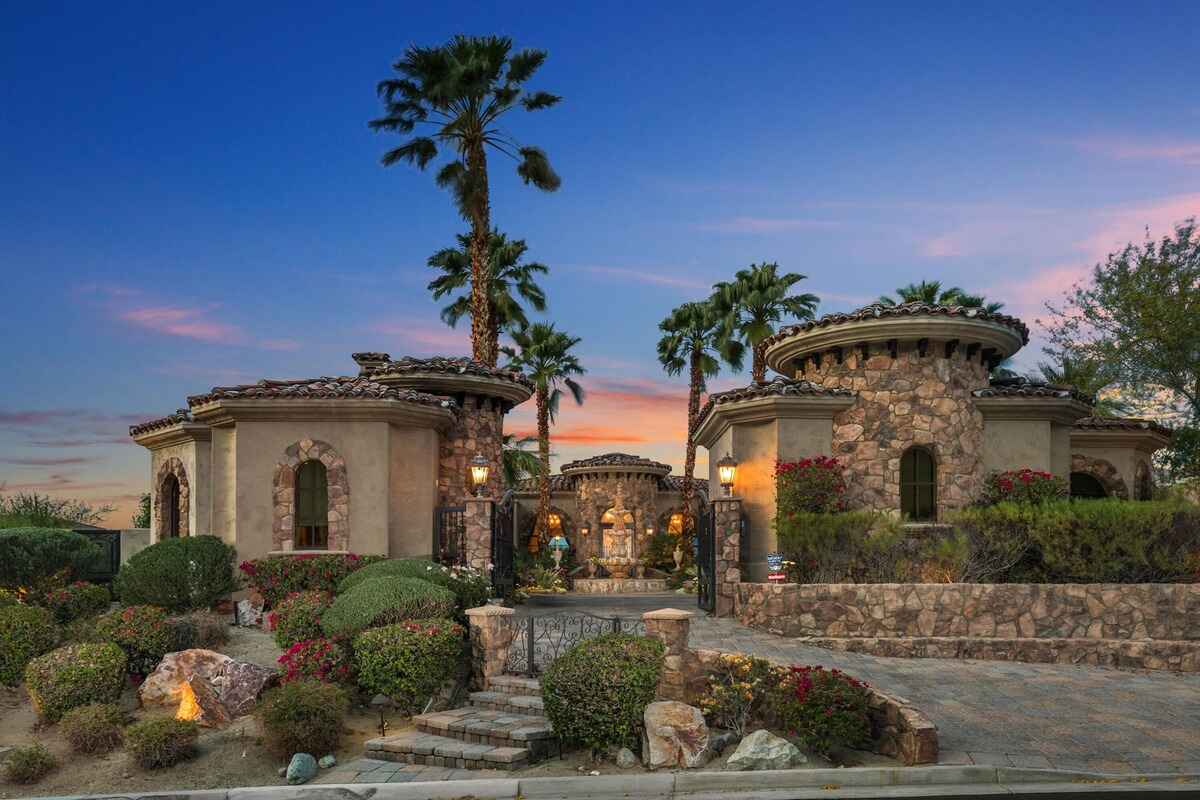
{"x":1124,"y":459}
{"x":223,"y":484}
{"x":413,"y":491}
{"x":1017,"y":443}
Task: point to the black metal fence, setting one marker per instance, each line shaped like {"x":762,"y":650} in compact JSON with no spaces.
{"x":541,"y":639}
{"x":704,"y":542}
{"x":502,"y":556}
{"x":449,"y":535}
{"x":104,"y":568}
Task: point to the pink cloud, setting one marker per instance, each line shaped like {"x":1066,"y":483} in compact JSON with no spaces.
{"x":945,"y":246}
{"x":188,"y":323}
{"x":1124,"y":224}
{"x":650,"y":276}
{"x":1126,"y":149}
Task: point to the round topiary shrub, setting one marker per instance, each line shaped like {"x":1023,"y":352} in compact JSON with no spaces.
{"x":74,"y":676}
{"x":178,"y":574}
{"x":29,"y":764}
{"x":298,"y":617}
{"x":73,"y":601}
{"x":25,"y":633}
{"x":470,"y":587}
{"x":162,"y":742}
{"x":143,"y":632}
{"x":303,"y":716}
{"x":596,"y":693}
{"x":94,"y":728}
{"x":323,"y":659}
{"x":408,"y":661}
{"x":382,"y":601}
{"x":31,"y":556}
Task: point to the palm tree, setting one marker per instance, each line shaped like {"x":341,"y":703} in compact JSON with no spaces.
{"x":462,"y":89}
{"x":544,"y":354}
{"x":516,"y":462}
{"x":751,"y":304}
{"x":932,"y":292}
{"x":693,"y":340}
{"x":1086,"y":376}
{"x":508,"y":280}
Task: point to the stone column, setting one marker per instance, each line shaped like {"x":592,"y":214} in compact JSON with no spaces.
{"x":727,"y":521}
{"x":491,"y":636}
{"x":477,"y":539}
{"x":671,"y":627}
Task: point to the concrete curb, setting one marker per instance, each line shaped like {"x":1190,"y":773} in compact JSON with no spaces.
{"x":859,"y":782}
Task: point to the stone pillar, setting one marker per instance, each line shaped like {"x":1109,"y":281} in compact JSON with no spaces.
{"x":727,"y":522}
{"x":491,"y":635}
{"x":671,"y":627}
{"x":477,"y":539}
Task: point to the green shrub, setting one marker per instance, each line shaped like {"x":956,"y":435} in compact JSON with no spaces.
{"x":25,"y":633}
{"x":142,"y":632}
{"x":197,"y":629}
{"x":179,"y":574}
{"x":29,"y":764}
{"x":408,"y":661}
{"x":94,"y":728}
{"x":275,"y":577}
{"x":849,"y":547}
{"x":72,"y":601}
{"x":298,"y":618}
{"x":810,"y":485}
{"x":304,"y":716}
{"x":470,"y":587}
{"x":8,"y":597}
{"x":31,"y":556}
{"x":596,"y":693}
{"x":1023,"y":486}
{"x":81,"y":630}
{"x":826,"y":709}
{"x":382,"y":601}
{"x":738,"y":688}
{"x":162,"y":742}
{"x":74,"y":676}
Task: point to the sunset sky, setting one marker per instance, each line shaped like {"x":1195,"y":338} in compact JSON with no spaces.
{"x":192,"y":196}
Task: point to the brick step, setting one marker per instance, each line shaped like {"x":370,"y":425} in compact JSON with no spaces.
{"x":415,"y":747}
{"x":511,"y":703}
{"x":514,"y":684}
{"x":495,"y":728}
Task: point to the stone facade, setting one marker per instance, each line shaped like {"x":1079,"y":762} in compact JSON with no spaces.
{"x":921,"y":395}
{"x":727,"y":522}
{"x":172,"y":466}
{"x":477,"y":521}
{"x":337,"y":485}
{"x":595,"y":494}
{"x":491,"y":633}
{"x":1103,"y":471}
{"x":478,"y":430}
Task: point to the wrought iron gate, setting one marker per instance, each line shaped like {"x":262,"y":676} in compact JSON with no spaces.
{"x":104,"y":567}
{"x":704,"y":541}
{"x":449,"y":535}
{"x":503,"y":572}
{"x":541,"y":639}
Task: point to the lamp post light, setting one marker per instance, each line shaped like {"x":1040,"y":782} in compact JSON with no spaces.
{"x":479,"y":473}
{"x":558,"y":545}
{"x":727,"y":471}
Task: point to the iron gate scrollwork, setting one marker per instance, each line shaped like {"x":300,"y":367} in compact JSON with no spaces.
{"x":449,"y":535}
{"x":538,"y":640}
{"x":503,"y":573}
{"x":704,"y":541}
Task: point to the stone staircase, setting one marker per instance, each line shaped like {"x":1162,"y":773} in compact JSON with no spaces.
{"x":503,"y":728}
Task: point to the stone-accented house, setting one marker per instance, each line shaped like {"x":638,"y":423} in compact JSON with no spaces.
{"x":355,"y":463}
{"x":902,"y":396}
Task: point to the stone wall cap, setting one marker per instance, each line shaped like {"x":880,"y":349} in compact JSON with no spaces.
{"x":668,"y":613}
{"x":489,"y":611}
{"x":879,"y":310}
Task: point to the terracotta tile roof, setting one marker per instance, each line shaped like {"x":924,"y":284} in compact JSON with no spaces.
{"x":181,"y":415}
{"x":566,"y":483}
{"x":778,"y":387}
{"x":616,"y":460}
{"x":1024,"y":387}
{"x":325,"y":388}
{"x":448,"y":365}
{"x":1121,"y":424}
{"x":878,"y":310}
{"x":674,"y":483}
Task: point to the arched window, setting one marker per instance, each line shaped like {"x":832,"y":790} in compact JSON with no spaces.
{"x":918,"y":484}
{"x":1085,"y":486}
{"x":312,"y":507}
{"x":170,"y":511}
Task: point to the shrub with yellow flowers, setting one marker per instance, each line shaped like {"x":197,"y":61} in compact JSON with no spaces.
{"x":737,"y":688}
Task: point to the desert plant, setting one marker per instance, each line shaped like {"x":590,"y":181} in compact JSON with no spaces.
{"x":298,"y":617}
{"x":408,"y":661}
{"x":142,"y":632}
{"x":826,"y":709}
{"x":72,"y":601}
{"x":323,"y":659}
{"x":1022,"y":486}
{"x":94,"y":728}
{"x":275,"y":577}
{"x":33,"y":510}
{"x":162,"y":742}
{"x":178,"y":574}
{"x":29,"y":764}
{"x":810,"y":485}
{"x":74,"y":676}
{"x":596,"y":693}
{"x":197,"y":629}
{"x":25,"y":633}
{"x":31,"y":556}
{"x":382,"y":601}
{"x":303,"y":716}
{"x":738,"y":686}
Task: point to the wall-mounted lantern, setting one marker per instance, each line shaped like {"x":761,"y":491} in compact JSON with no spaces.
{"x":727,"y":471}
{"x":479,"y":473}
{"x":554,"y":520}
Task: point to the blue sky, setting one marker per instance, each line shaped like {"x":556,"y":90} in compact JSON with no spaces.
{"x":192,"y":196}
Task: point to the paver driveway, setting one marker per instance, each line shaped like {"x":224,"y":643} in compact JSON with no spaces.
{"x":987,"y":712}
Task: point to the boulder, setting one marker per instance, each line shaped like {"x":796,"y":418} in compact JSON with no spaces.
{"x":327,"y":761}
{"x":302,"y":769}
{"x":162,"y":686}
{"x":213,"y":713}
{"x":239,"y":684}
{"x":248,"y":612}
{"x":765,"y":750}
{"x":626,"y":759}
{"x":675,"y":736}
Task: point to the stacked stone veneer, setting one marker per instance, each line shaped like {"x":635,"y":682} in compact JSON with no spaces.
{"x":337,"y":483}
{"x":479,"y":428}
{"x":1103,"y":471}
{"x":1153,"y":626}
{"x":597,"y":493}
{"x":727,"y":522}
{"x":910,"y":399}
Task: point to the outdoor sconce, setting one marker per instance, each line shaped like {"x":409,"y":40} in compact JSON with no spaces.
{"x":554,"y":520}
{"x":649,"y":531}
{"x":727,"y":471}
{"x":479,"y":473}
{"x":558,"y":545}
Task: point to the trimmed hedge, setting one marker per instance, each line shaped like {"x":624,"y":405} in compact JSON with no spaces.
{"x":596,"y":693}
{"x":298,"y":618}
{"x":275,"y":577}
{"x":382,"y":601}
{"x":408,"y":661}
{"x":143,"y":632}
{"x":73,"y":601}
{"x":94,"y":728}
{"x":25,"y":633}
{"x":179,"y":574}
{"x":74,"y":676}
{"x":31,"y":556}
{"x":162,"y":742}
{"x":471,"y":587}
{"x":304,"y":716}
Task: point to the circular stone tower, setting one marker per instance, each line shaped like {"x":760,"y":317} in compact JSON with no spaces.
{"x":913,"y":368}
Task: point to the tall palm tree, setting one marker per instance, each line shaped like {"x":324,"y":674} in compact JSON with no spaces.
{"x":516,"y":462}
{"x":751,"y":304}
{"x":508,"y":280}
{"x":1087,"y":376}
{"x":932,"y":292}
{"x":462,"y":89}
{"x":693,"y":340}
{"x":544,"y":354}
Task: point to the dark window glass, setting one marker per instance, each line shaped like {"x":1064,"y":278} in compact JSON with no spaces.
{"x":918,"y":485}
{"x":1086,"y":487}
{"x":170,"y":501}
{"x":312,"y":507}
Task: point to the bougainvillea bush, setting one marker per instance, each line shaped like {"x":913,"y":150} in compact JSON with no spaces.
{"x":298,"y":617}
{"x":1023,"y":486}
{"x":826,"y":709}
{"x":410,"y":660}
{"x":813,"y":485}
{"x":275,"y":577}
{"x":72,"y":601}
{"x":143,"y":632}
{"x":326,"y":660}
